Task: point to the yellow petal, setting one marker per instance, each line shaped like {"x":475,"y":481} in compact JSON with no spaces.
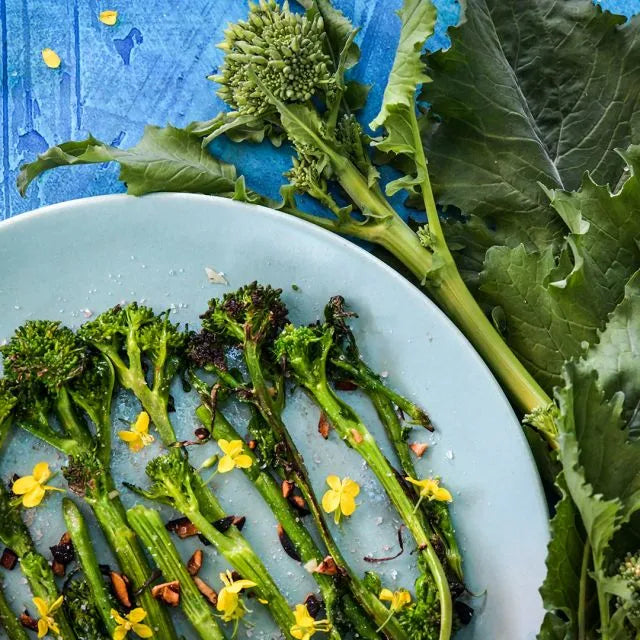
{"x":117,"y":617}
{"x":235,"y":448}
{"x":51,"y":58}
{"x":334,"y":482}
{"x":41,"y":472}
{"x":53,"y":626}
{"x":243,"y":461}
{"x":129,"y":436}
{"x":33,"y":498}
{"x":350,"y":487}
{"x":442,"y":495}
{"x":226,"y":464}
{"x":404,"y":598}
{"x":41,"y":606}
{"x":56,"y":605}
{"x":386,"y":594}
{"x":298,"y":633}
{"x":227,"y":600}
{"x":226,"y":577}
{"x":108,"y":17}
{"x":224,"y":445}
{"x":330,"y":501}
{"x":418,"y":483}
{"x":239,"y":585}
{"x":43,"y":627}
{"x":119,"y":633}
{"x":137,"y":615}
{"x":24,"y":485}
{"x":142,"y":630}
{"x":141,"y":425}
{"x":347,"y":504}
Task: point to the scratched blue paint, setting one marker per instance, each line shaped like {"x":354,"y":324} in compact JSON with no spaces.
{"x":150,"y":67}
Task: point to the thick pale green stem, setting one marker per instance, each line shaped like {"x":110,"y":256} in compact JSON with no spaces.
{"x":112,"y":519}
{"x":81,"y":538}
{"x":151,"y":530}
{"x":9,"y":621}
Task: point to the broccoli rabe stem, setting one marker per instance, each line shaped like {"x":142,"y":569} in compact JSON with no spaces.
{"x":9,"y":621}
{"x":151,"y":530}
{"x":297,"y":532}
{"x":436,"y":513}
{"x":241,"y":556}
{"x":85,"y":554}
{"x":300,"y":477}
{"x":112,"y":519}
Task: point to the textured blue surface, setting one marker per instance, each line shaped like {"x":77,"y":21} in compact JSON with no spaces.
{"x":149,"y":68}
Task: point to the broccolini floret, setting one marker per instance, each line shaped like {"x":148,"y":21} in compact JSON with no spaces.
{"x":82,"y":612}
{"x":7,"y":403}
{"x":629,"y":573}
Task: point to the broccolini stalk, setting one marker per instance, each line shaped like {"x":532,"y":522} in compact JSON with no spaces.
{"x":252,"y":317}
{"x":9,"y":620}
{"x":57,"y":376}
{"x":82,"y":611}
{"x":283,"y":77}
{"x":346,"y":363}
{"x":151,"y":530}
{"x":173,"y":484}
{"x":15,"y":535}
{"x":304,"y":543}
{"x":80,"y":536}
{"x":306,"y":351}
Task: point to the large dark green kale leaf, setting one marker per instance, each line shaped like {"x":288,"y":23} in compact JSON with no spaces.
{"x":554,"y":302}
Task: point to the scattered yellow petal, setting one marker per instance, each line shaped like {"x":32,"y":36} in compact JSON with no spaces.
{"x":51,"y":58}
{"x":33,"y":488}
{"x":340,"y":498}
{"x":109,"y":17}
{"x":305,"y":625}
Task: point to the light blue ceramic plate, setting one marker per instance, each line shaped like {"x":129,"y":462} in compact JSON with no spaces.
{"x":70,"y":260}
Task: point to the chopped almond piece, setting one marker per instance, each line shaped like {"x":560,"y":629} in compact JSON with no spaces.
{"x":206,"y":591}
{"x":419,"y":448}
{"x":357,"y":436}
{"x":287,"y":488}
{"x":120,"y":585}
{"x":327,"y":567}
{"x":168,"y":592}
{"x":195,"y":562}
{"x":324,"y":426}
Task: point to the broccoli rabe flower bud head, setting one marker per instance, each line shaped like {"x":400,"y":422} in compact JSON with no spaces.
{"x":629,"y":571}
{"x":7,"y":402}
{"x":282,"y":49}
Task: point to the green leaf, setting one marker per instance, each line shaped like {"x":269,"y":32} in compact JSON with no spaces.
{"x":397,"y":113}
{"x":565,"y":557}
{"x":165,"y":159}
{"x":528,"y":92}
{"x":617,"y":354}
{"x":556,"y":303}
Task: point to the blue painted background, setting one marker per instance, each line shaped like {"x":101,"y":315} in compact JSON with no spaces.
{"x":149,"y":68}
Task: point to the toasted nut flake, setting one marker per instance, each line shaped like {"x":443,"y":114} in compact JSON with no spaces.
{"x":327,"y":567}
{"x":109,"y":17}
{"x":9,"y":559}
{"x":357,"y":436}
{"x":63,"y":552}
{"x":324,"y":426}
{"x":167,"y":592}
{"x":182,"y":527}
{"x":58,"y":569}
{"x":202,"y":434}
{"x":28,"y":622}
{"x":252,"y":444}
{"x":120,"y":586}
{"x":51,"y":58}
{"x":287,"y":488}
{"x":223,"y":524}
{"x":300,"y":505}
{"x":346,"y":385}
{"x":287,"y":544}
{"x":239,"y":522}
{"x":206,"y":591}
{"x":195,"y":562}
{"x":419,"y":448}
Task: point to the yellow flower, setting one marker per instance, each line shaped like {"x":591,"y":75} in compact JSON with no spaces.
{"x":33,"y":488}
{"x":46,"y":622}
{"x":233,"y":456}
{"x":131,"y":622}
{"x":305,"y":625}
{"x":138,"y":437}
{"x":430,"y":488}
{"x":340,"y":499}
{"x":398,"y":599}
{"x":108,"y":17}
{"x":229,"y":603}
{"x":51,"y":58}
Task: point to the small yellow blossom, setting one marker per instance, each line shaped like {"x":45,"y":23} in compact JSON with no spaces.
{"x":108,"y":17}
{"x":46,"y":622}
{"x":229,"y":603}
{"x":51,"y":58}
{"x":131,"y":622}
{"x":305,"y":625}
{"x":138,"y":437}
{"x":430,"y":488}
{"x":33,"y":488}
{"x":398,"y":599}
{"x":340,"y":499}
{"x":233,"y":456}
